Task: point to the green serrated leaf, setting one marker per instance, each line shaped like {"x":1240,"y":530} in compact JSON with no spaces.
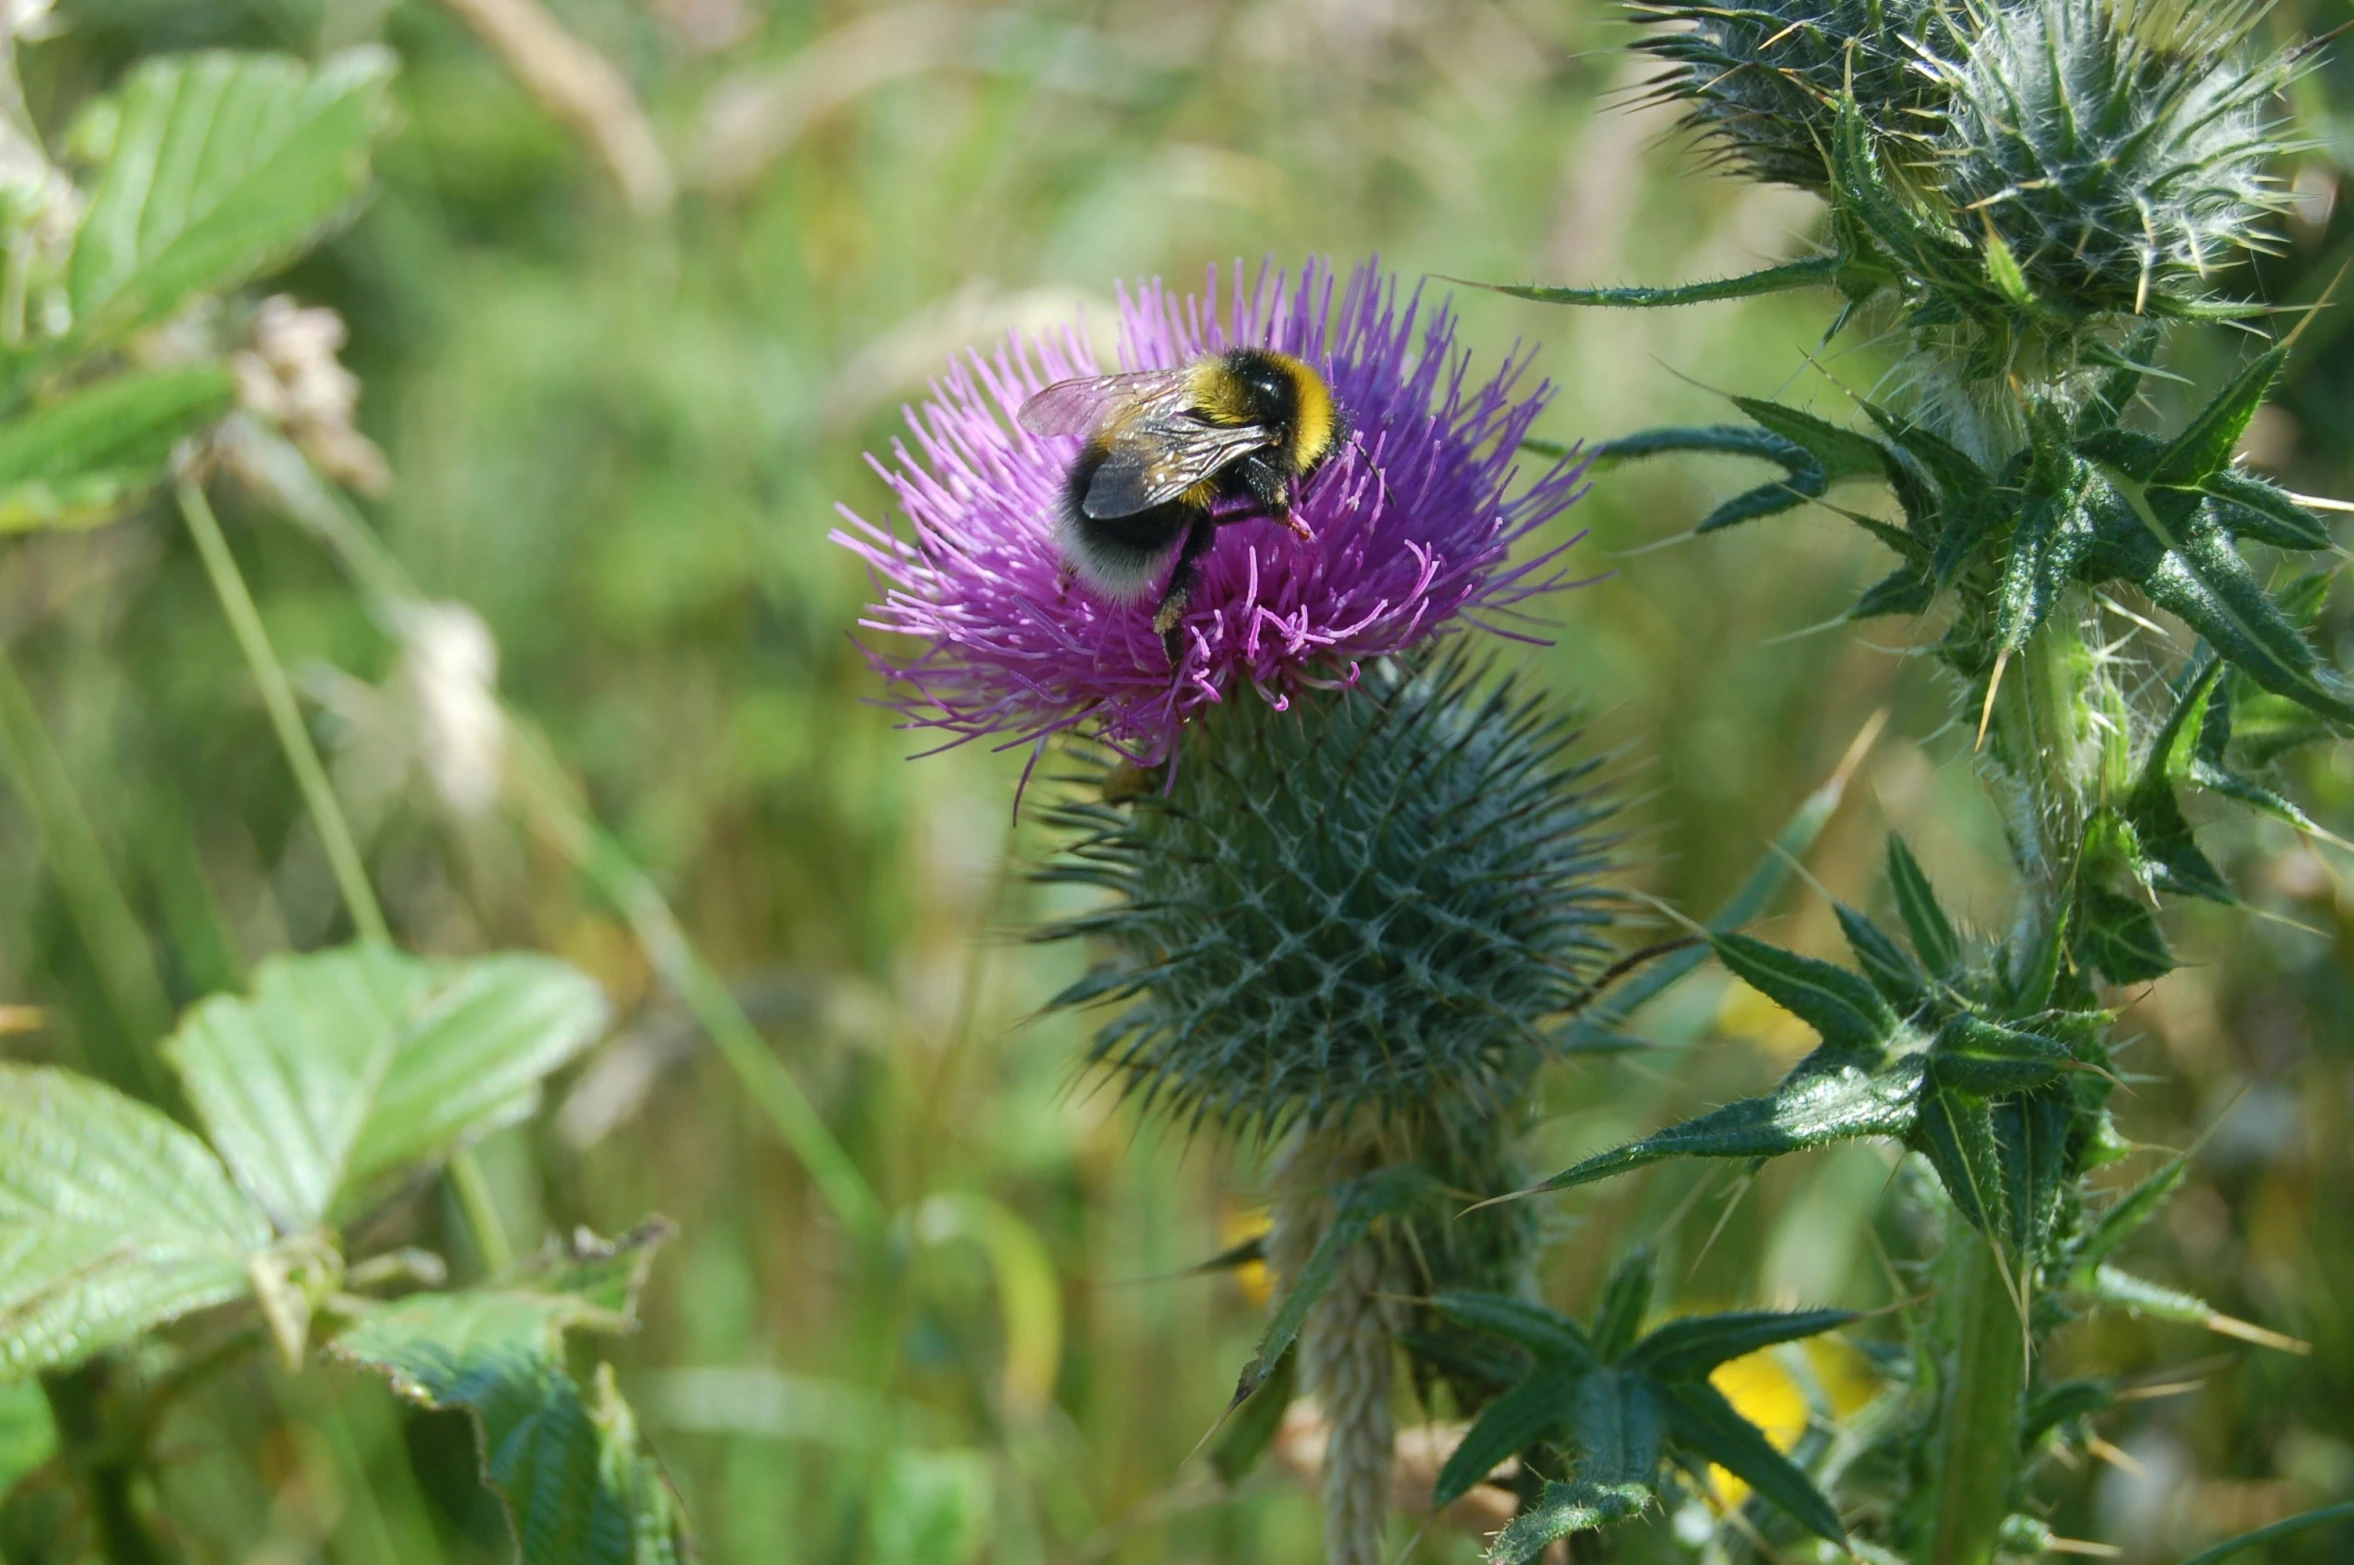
{"x":1933,"y":937}
{"x":2061,"y":1403}
{"x":113,"y":1220}
{"x":1562,"y":1509}
{"x":577,"y":1487}
{"x":2134,"y":1208}
{"x":1843,"y":453}
{"x":1548,"y":1335}
{"x":2129,"y":365}
{"x":2166,"y":839}
{"x":1904,"y":590}
{"x":1690,"y":1346}
{"x":1831,"y":1101}
{"x":2197,"y":574}
{"x":1892,"y":971}
{"x":1245,"y":1440}
{"x":1955,"y":1132}
{"x":2031,"y":1138}
{"x":1625,"y":1297}
{"x":1813,"y":272}
{"x":1358,"y":1205}
{"x":346,"y":1067}
{"x":2115,"y":925}
{"x":1528,"y":1413}
{"x":76,"y":461}
{"x":222,"y":166}
{"x":2002,"y":270}
{"x":2122,"y":1290}
{"x":1982,"y":1057}
{"x":2248,"y":507}
{"x":1704,"y":1423}
{"x":1842,"y":1006}
{"x":2205,"y":447}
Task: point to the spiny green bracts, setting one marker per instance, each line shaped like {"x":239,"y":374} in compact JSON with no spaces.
{"x":2111,"y":155}
{"x":1368,"y":903}
{"x":1764,"y":79}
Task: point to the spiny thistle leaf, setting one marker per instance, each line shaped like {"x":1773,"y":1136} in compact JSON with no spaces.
{"x":1692,"y":1346}
{"x":1813,"y":271}
{"x":2065,"y":1402}
{"x":1843,"y":1007}
{"x":1955,"y":1132}
{"x":1893,"y":972}
{"x":1625,"y":1296}
{"x":1371,"y":901}
{"x":1548,"y":1335}
{"x":1814,"y":1105}
{"x":1986,"y":1058}
{"x":2132,"y":1209}
{"x":2031,"y":1132}
{"x":1562,"y":1509}
{"x":1531,"y":1411}
{"x":1703,"y":1422}
{"x":2176,"y":864}
{"x":1934,"y":940}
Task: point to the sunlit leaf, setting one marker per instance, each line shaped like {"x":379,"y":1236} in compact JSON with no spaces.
{"x":1812,"y":1107}
{"x":344,"y":1067}
{"x":112,"y":1220}
{"x":1975,"y":1055}
{"x":1814,"y":271}
{"x":221,"y":166}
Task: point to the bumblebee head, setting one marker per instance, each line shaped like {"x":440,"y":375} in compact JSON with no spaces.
{"x":1284,"y":393}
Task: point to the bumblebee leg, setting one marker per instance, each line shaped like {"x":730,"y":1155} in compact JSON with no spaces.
{"x":1198,"y":539}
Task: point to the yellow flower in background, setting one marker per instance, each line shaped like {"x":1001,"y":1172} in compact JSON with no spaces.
{"x":1745,"y":1013}
{"x":1769,"y":1390}
{"x":1236,"y":1224}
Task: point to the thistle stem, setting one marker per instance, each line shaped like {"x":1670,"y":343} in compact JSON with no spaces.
{"x":1977,"y":1452}
{"x":1346,"y":1347}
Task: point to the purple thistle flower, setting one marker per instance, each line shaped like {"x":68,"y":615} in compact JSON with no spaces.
{"x":1410,"y":519}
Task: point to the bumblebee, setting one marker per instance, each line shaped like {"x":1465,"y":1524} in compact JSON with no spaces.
{"x":1164,"y":447}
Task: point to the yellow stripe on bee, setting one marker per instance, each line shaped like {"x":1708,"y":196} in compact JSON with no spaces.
{"x":1315,"y":423}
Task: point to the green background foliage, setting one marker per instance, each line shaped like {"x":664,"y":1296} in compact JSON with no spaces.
{"x":617,"y":433}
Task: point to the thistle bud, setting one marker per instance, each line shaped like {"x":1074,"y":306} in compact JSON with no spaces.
{"x":1764,"y":79}
{"x":2117,"y":149}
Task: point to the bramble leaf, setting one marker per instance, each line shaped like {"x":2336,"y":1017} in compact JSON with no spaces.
{"x":346,"y":1067}
{"x":577,"y":1486}
{"x":113,"y":1220}
{"x":222,"y":166}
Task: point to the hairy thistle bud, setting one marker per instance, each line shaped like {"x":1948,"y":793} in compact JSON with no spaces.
{"x":1764,"y":79}
{"x":2110,"y":156}
{"x":1365,"y":904}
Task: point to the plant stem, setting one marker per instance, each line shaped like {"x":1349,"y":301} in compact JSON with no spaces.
{"x":105,"y":1473}
{"x":318,"y":795}
{"x":1977,"y":1452}
{"x":326,"y":812}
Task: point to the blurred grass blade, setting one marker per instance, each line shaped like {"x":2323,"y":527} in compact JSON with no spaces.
{"x":346,"y":1068}
{"x":2304,"y":1521}
{"x":76,"y":461}
{"x":1597,"y":1027}
{"x":112,"y":1220}
{"x":1029,"y":1295}
{"x":220,"y":167}
{"x":549,"y":804}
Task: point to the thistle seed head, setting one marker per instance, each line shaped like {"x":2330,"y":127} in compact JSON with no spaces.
{"x":1367,"y":904}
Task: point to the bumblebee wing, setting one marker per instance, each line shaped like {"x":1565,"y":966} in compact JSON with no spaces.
{"x":1079,"y":407}
{"x":1153,"y":456}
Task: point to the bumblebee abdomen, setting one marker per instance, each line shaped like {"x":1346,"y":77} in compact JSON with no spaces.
{"x":1121,"y":557}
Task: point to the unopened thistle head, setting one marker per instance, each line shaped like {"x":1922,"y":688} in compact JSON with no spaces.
{"x":1412,"y":521}
{"x":2118,"y":149}
{"x":1372,"y":902}
{"x":1763,"y":79}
